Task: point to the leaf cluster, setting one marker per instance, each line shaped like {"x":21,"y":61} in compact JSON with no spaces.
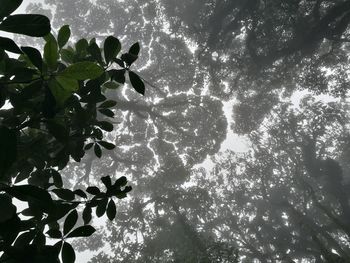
{"x":53,"y":109}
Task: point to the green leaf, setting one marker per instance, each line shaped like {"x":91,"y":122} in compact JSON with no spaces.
{"x":8,"y":6}
{"x":83,"y":231}
{"x":81,"y":46}
{"x":112,"y":47}
{"x":105,"y":125}
{"x":51,"y":53}
{"x":101,"y":207}
{"x":70,"y":221}
{"x":111,"y":210}
{"x":62,"y":88}
{"x":135,"y":49}
{"x":82,"y":71}
{"x":106,"y":145}
{"x":68,"y":84}
{"x":30,"y":25}
{"x":137,"y":83}
{"x":95,"y":52}
{"x":67,"y":55}
{"x":111,"y":85}
{"x":108,"y":104}
{"x":8,"y":149}
{"x":9,"y":45}
{"x":97,"y":150}
{"x":64,"y":194}
{"x":34,"y":56}
{"x":63,"y":36}
{"x":68,"y":254}
{"x":87,"y":214}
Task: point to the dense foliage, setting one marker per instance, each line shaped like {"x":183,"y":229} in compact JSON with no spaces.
{"x":53,"y":110}
{"x":274,"y":72}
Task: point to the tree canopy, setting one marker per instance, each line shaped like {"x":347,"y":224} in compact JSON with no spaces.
{"x":272,"y":72}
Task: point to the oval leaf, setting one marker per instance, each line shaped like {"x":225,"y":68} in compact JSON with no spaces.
{"x":30,"y":25}
{"x":51,"y":53}
{"x":34,"y":56}
{"x":137,"y":83}
{"x":63,"y":36}
{"x":82,"y":71}
{"x":112,"y":47}
{"x":111,"y":210}
{"x":9,"y":45}
{"x":87,"y":215}
{"x":64,"y":194}
{"x":70,"y":221}
{"x":68,"y":254}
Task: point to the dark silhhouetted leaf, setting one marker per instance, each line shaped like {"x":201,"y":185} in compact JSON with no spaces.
{"x":82,"y":231}
{"x":101,"y":207}
{"x":9,"y":45}
{"x":82,"y":71}
{"x":111,"y":210}
{"x":34,"y":56}
{"x":63,"y":35}
{"x":88,"y":146}
{"x":8,"y":6}
{"x":64,"y":194}
{"x":8,"y":149}
{"x":80,"y":193}
{"x":70,"y":221}
{"x":106,"y":180}
{"x":87,"y":214}
{"x":97,"y":150}
{"x":51,"y":53}
{"x":128,"y":58}
{"x":108,"y":104}
{"x":57,"y":179}
{"x":105,"y":125}
{"x":112,"y":47}
{"x":54,"y":233}
{"x":93,"y":190}
{"x":81,"y":46}
{"x":31,"y":193}
{"x":118,"y":75}
{"x":137,"y":83}
{"x":68,"y":254}
{"x":30,"y":25}
{"x":24,"y":239}
{"x":135,"y":49}
{"x":121,"y":181}
{"x":7,"y":208}
{"x":107,"y":112}
{"x":106,"y":145}
{"x":95,"y":52}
